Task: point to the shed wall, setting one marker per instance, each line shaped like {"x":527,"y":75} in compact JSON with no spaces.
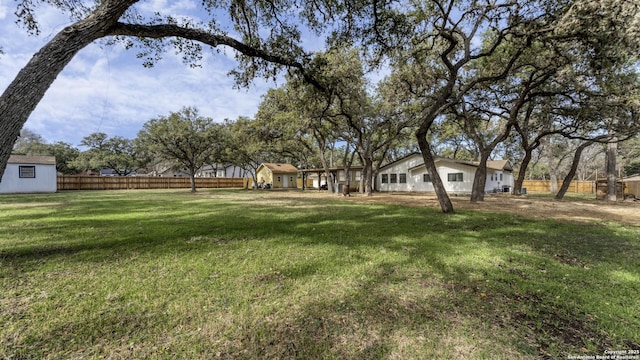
{"x":284,"y":180}
{"x":44,"y":182}
{"x":264,"y":173}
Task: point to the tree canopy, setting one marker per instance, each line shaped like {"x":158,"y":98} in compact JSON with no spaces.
{"x":115,"y":153}
{"x":184,"y":137}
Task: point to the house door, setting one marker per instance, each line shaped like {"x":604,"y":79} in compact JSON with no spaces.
{"x":285,"y":182}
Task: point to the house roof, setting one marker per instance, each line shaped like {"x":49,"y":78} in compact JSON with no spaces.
{"x":218,"y":166}
{"x":335,"y":168}
{"x":280,"y":168}
{"x":504,"y":165}
{"x":401,"y":159}
{"x":500,"y":165}
{"x":25,"y":159}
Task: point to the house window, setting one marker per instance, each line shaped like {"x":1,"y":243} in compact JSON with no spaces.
{"x":426,"y":178}
{"x":491,"y":177}
{"x":500,"y":176}
{"x":27,"y":171}
{"x":291,"y":179}
{"x":403,"y":178}
{"x":394,"y":178}
{"x":279,"y":179}
{"x":384,"y":178}
{"x":357,"y":175}
{"x":454,"y":177}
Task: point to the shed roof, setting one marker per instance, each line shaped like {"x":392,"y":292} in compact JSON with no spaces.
{"x":632,"y":178}
{"x":25,"y":159}
{"x":280,"y":168}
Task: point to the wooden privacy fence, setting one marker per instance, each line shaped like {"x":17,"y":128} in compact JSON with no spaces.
{"x":78,"y":182}
{"x":576,"y":186}
{"x":633,"y":187}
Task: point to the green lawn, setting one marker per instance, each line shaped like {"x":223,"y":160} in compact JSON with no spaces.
{"x":252,"y":274}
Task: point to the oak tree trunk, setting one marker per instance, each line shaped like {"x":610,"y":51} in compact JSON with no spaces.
{"x":480,"y":178}
{"x":612,"y":153}
{"x":553,"y":168}
{"x":192,"y":180}
{"x":443,"y":198}
{"x":522,"y":173}
{"x":368,"y":169}
{"x":327,"y":173}
{"x":572,"y":172}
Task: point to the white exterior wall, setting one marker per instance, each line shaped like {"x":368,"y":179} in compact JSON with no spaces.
{"x":464,"y":186}
{"x":231,"y":171}
{"x":46,"y":180}
{"x":415,"y":176}
{"x":496,"y":183}
{"x":234,"y":171}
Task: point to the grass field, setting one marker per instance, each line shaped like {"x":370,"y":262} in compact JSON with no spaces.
{"x":248,"y":274}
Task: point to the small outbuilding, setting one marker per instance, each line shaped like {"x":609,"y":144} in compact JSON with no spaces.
{"x":279,"y":176}
{"x":632,"y":185}
{"x":29,"y":174}
{"x":319,"y":179}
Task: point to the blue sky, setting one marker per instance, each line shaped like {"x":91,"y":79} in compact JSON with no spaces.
{"x":107,"y":89}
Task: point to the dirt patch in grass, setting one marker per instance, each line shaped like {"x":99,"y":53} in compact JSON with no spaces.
{"x":528,"y":206}
{"x":581,"y":210}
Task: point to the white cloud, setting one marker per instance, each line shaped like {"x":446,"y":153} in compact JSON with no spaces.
{"x":107,"y":88}
{"x":119,"y":99}
{"x":173,"y":8}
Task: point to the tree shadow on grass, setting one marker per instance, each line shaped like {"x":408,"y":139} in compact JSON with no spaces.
{"x":461,"y":285}
{"x":408,"y":310}
{"x":508,"y":282}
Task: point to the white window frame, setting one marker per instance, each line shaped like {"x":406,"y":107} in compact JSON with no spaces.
{"x":27,"y":171}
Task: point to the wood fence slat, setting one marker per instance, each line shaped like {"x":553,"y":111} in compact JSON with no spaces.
{"x":576,"y":186}
{"x":82,"y":182}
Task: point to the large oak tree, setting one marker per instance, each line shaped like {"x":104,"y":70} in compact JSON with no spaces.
{"x":183,"y":137}
{"x":265,"y":36}
{"x":115,"y":153}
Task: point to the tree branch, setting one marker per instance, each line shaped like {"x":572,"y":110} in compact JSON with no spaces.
{"x":213,"y":40}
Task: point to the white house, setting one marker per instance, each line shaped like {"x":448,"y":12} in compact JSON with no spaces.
{"x":29,"y":174}
{"x":166,"y":169}
{"x":410,"y":174}
{"x":224,"y":170}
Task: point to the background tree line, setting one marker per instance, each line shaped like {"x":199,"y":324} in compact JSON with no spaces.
{"x":530,"y":79}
